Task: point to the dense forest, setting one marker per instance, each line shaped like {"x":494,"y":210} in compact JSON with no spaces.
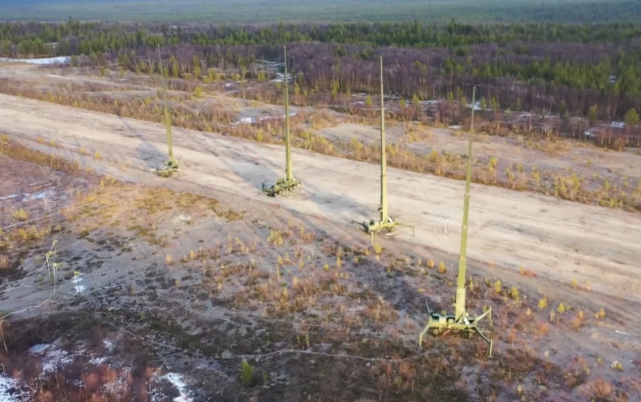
{"x":569,"y":70}
{"x":324,"y":11}
{"x":73,"y":37}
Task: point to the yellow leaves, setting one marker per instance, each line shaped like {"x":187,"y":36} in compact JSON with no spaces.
{"x":543,"y":303}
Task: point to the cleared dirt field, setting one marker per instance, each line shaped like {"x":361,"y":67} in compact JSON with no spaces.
{"x":168,"y":285}
{"x":556,"y":239}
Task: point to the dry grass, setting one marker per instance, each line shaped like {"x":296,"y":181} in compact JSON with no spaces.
{"x":325,"y":295}
{"x":189,"y":114}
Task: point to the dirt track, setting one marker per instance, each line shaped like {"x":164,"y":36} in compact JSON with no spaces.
{"x":556,"y":239}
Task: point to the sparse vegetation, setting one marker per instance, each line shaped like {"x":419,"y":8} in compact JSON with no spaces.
{"x":246,"y":373}
{"x":20,"y":215}
{"x":169,"y":276}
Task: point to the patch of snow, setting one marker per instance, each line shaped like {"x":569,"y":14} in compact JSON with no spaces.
{"x":39,"y":195}
{"x":455,"y":127}
{"x":244,"y":120}
{"x":55,"y":359}
{"x":48,"y":60}
{"x":97,"y":360}
{"x":182,"y":218}
{"x":476,"y":106}
{"x":109,"y":344}
{"x":177,"y":381}
{"x":52,"y":357}
{"x":10,"y":391}
{"x":281,"y":78}
{"x":76,"y":280}
{"x":617,"y":124}
{"x":30,"y":196}
{"x":39,"y":348}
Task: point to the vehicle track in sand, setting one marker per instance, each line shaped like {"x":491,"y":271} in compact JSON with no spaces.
{"x":557,"y":239}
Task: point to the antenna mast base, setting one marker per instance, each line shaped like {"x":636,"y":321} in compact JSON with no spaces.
{"x":282,"y":186}
{"x":466,"y":325}
{"x":168,"y":169}
{"x":375,"y":227}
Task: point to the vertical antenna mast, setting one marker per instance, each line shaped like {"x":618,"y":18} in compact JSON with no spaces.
{"x":385,"y":223}
{"x":383,"y":207}
{"x":288,"y":183}
{"x":167,"y":116}
{"x":460,"y":321}
{"x":288,"y":155}
{"x":462,"y":266}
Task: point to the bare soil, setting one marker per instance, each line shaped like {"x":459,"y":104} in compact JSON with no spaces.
{"x":189,"y":273}
{"x":556,"y":239}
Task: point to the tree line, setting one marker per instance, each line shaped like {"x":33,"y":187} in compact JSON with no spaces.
{"x":554,"y":85}
{"x":74,"y":38}
{"x":554,"y":77}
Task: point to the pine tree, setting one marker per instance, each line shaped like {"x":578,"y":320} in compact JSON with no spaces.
{"x":592,"y":114}
{"x":368,"y":101}
{"x":415,"y":101}
{"x":495,"y":104}
{"x":631,"y":117}
{"x":197,"y":69}
{"x":562,"y":108}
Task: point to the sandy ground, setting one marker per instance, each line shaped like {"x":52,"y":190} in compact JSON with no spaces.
{"x":592,"y":164}
{"x":561,"y":240}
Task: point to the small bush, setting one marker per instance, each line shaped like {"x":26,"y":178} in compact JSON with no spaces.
{"x":543,"y":303}
{"x":21,"y":215}
{"x":246,"y":373}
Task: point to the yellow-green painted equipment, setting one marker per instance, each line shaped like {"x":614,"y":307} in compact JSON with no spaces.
{"x":386,"y":222}
{"x":288,"y":183}
{"x":171,"y":166}
{"x":460,"y":321}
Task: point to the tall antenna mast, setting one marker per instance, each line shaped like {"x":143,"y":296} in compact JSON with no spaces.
{"x":171,"y":166}
{"x":288,"y":151}
{"x":460,"y":321}
{"x":289,"y":183}
{"x":385,"y":223}
{"x":462,"y":264}
{"x":383,"y":207}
